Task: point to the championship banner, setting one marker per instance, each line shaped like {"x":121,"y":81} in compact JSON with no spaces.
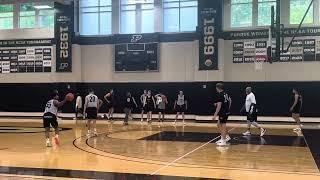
{"x":264,"y":33}
{"x":209,"y":29}
{"x":25,"y":55}
{"x":301,"y":50}
{"x":63,"y":35}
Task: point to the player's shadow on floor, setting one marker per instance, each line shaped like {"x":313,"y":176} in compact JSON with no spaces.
{"x":276,"y":140}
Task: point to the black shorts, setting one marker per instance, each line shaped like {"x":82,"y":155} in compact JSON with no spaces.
{"x":110,"y":104}
{"x":50,"y":119}
{"x":252,"y":117}
{"x":161,"y":110}
{"x":296,"y":110}
{"x":92,"y":113}
{"x":79,"y":110}
{"x":148,"y":108}
{"x":180,"y":108}
{"x":223,"y":118}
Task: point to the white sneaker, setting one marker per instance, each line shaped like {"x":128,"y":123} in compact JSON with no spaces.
{"x":247,"y":133}
{"x":141,"y":120}
{"x":88,"y":133}
{"x":296,"y":129}
{"x":174,"y":123}
{"x":222,"y":143}
{"x":219,"y":141}
{"x":95,"y":133}
{"x":263,"y":131}
{"x":228,"y":138}
{"x":48,"y":143}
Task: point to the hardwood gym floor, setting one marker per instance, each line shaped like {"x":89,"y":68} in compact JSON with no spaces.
{"x":141,"y":151}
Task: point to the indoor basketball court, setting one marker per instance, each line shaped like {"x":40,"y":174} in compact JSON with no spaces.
{"x":159,"y":89}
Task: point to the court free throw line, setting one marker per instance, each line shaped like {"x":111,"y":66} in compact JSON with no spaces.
{"x":181,"y":157}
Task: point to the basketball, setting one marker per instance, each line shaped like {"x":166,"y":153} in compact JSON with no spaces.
{"x":69,"y":97}
{"x":208,"y":62}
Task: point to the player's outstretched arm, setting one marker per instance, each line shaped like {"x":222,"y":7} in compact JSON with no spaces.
{"x":154,"y":103}
{"x":85,"y":106}
{"x":296,"y":97}
{"x":134,"y":101}
{"x":61,"y":103}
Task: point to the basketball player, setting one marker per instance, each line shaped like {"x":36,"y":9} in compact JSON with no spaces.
{"x":129,"y":104}
{"x":161,"y":102}
{"x":149,"y":105}
{"x":251,"y":111}
{"x":50,"y":117}
{"x":296,"y":109}
{"x":180,"y":105}
{"x":223,"y":104}
{"x":109,"y":97}
{"x":78,"y":105}
{"x":91,"y":106}
{"x":143,"y":100}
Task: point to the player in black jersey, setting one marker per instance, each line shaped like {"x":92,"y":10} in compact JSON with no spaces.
{"x":296,"y":108}
{"x":129,"y":104}
{"x":149,"y":105}
{"x":109,"y":97}
{"x":223,"y":104}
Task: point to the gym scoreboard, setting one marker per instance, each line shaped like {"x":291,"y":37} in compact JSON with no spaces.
{"x":136,"y":52}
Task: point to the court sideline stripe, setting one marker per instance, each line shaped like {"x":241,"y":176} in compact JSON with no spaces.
{"x":181,"y":157}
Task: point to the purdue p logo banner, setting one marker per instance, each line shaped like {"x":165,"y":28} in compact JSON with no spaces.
{"x":209,"y":28}
{"x":63,"y":35}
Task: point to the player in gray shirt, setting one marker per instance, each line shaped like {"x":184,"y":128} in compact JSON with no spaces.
{"x":161,"y":102}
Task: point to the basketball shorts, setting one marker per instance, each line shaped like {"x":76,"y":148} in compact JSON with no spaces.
{"x":252,"y":117}
{"x":148,"y":108}
{"x":296,"y":110}
{"x":160,"y":110}
{"x":223,"y":118}
{"x":180,"y":108}
{"x":50,"y":119}
{"x":92,"y":113}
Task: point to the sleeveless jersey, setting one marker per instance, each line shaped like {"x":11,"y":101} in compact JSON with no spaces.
{"x":129,"y":103}
{"x":92,"y":100}
{"x":180,"y":100}
{"x":299,"y":103}
{"x":111,"y":98}
{"x":51,"y":108}
{"x":149,"y":101}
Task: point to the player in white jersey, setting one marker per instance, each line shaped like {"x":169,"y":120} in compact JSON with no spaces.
{"x":252,"y":112}
{"x":180,"y":105}
{"x":91,"y":106}
{"x":50,"y":117}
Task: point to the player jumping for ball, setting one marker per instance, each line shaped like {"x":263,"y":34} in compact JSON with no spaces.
{"x":50,"y":117}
